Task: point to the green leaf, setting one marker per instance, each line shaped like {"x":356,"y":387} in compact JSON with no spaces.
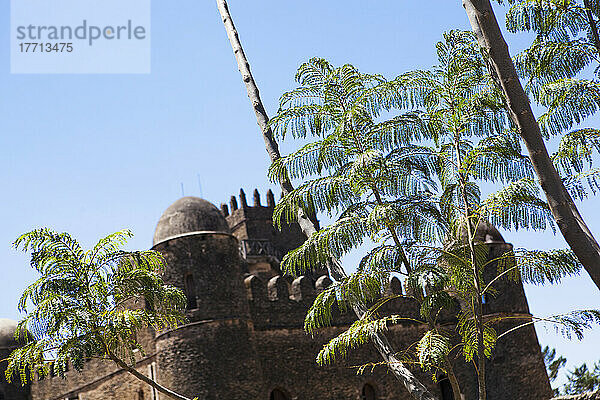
{"x":432,"y":350}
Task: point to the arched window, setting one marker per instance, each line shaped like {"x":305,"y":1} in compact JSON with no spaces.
{"x":190,"y":292}
{"x":446,"y":388}
{"x":368,"y":392}
{"x":278,"y":394}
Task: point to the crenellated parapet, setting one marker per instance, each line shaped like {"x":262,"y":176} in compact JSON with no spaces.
{"x":243,"y":204}
{"x":280,"y":303}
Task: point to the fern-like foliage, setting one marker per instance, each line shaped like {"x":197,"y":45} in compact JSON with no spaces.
{"x":562,"y":68}
{"x":580,"y":184}
{"x":468,"y":329}
{"x":357,"y":167}
{"x":432,"y":350}
{"x":361,"y":286}
{"x":517,"y":205}
{"x":574,"y":323}
{"x":575,"y":161}
{"x":81,"y":306}
{"x":539,"y":266}
{"x":359,"y":333}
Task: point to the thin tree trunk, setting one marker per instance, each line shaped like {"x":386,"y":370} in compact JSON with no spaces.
{"x":478,"y":306}
{"x":569,"y":221}
{"x":416,"y":389}
{"x":145,"y":379}
{"x":453,"y":380}
{"x":403,"y":374}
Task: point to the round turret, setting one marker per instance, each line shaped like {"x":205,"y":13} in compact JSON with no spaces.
{"x":203,"y":260}
{"x":189,"y":215}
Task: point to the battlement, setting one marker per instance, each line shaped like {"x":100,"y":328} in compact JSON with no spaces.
{"x":243,"y":204}
{"x":279,"y":303}
{"x":250,"y":221}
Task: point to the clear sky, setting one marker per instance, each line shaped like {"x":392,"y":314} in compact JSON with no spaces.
{"x":91,"y":154}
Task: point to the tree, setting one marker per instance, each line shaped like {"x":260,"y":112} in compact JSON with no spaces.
{"x":383,"y":179}
{"x":569,"y":221}
{"x":81,"y":305}
{"x":553,"y":365}
{"x":582,"y":380}
{"x":579,"y":380}
{"x":566,"y":44}
{"x":308,"y":225}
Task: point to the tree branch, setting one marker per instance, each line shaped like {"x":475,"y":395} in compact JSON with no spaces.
{"x":144,"y":378}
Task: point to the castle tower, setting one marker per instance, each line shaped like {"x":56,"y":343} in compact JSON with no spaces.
{"x":9,"y":391}
{"x":262,"y":245}
{"x":211,"y":356}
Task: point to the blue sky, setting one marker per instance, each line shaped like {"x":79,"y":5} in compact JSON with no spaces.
{"x":91,"y":154}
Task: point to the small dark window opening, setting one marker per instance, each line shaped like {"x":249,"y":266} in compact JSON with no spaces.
{"x":140,"y":394}
{"x":190,"y":292}
{"x":368,"y":392}
{"x":278,"y":394}
{"x":446,"y":388}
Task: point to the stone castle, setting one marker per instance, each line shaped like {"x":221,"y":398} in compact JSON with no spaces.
{"x":245,"y":338}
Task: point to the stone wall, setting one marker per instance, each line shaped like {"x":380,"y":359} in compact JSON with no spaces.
{"x":100,"y":380}
{"x":288,"y":353}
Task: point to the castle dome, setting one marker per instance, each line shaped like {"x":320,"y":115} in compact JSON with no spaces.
{"x":189,"y":215}
{"x":8,"y":327}
{"x":487,"y":233}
